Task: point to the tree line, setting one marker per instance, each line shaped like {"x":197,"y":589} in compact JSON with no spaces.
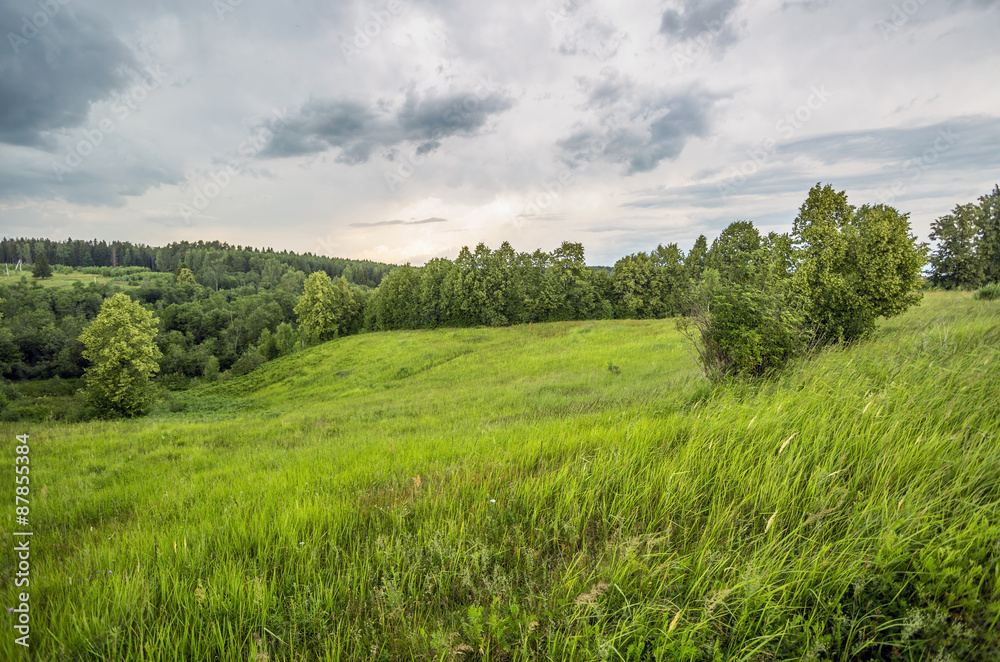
{"x":750,"y":302}
{"x":214,"y":263}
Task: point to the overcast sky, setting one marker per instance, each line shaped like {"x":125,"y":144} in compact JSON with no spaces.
{"x":402,"y":130}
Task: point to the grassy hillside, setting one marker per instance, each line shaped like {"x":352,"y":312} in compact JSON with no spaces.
{"x":568,"y":491}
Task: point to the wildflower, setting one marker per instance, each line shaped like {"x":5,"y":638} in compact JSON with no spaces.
{"x":493,"y":500}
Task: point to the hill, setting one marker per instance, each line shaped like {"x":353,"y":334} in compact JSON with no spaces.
{"x":564,"y":491}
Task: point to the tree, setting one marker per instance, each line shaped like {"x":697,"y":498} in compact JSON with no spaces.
{"x":119,"y":345}
{"x":326,"y":308}
{"x":733,"y":250}
{"x":854,"y":266}
{"x":988,"y":239}
{"x":185,"y":276}
{"x":955,"y":263}
{"x":41,"y":268}
{"x":695,"y":261}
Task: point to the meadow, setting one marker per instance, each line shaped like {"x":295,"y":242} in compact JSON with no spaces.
{"x":563,"y":491}
{"x":57,"y":279}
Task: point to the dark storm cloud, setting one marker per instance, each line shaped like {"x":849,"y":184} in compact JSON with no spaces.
{"x":356,"y":130}
{"x":425,"y":221}
{"x":698,"y":17}
{"x":52,"y":70}
{"x":639,"y":133}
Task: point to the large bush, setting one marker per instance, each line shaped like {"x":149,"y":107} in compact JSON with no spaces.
{"x":748,"y":322}
{"x":989,"y":292}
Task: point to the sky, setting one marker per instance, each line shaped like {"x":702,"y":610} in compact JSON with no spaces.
{"x":402,"y":130}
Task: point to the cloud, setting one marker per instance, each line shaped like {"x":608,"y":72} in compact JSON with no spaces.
{"x":50,"y":79}
{"x":357,"y":130}
{"x":397,"y":222}
{"x":595,"y":36}
{"x":972,"y":141}
{"x":700,"y":17}
{"x":638,"y":128}
{"x":611,"y":88}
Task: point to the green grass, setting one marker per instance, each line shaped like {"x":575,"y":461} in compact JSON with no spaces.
{"x":55,"y":280}
{"x":502,"y":494}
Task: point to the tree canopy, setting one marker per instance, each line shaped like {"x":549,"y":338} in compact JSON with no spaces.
{"x":119,"y":346}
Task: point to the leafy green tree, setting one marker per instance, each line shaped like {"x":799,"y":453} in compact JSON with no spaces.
{"x":395,"y":303}
{"x":988,"y":238}
{"x":639,"y":287}
{"x":326,"y":308}
{"x":120,"y":346}
{"x":955,"y":263}
{"x":733,"y":250}
{"x":211,"y":370}
{"x":185,"y":276}
{"x":433,"y":305}
{"x":41,"y":269}
{"x":695,"y":260}
{"x":854,"y":266}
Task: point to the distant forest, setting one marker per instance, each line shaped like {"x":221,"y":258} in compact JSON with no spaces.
{"x":212,"y":261}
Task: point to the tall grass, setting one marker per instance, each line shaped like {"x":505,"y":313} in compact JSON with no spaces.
{"x":501,"y":494}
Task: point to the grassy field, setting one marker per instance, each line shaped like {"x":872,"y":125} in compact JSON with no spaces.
{"x":55,"y":280}
{"x":569,"y":491}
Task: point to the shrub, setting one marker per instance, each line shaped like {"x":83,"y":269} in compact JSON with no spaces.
{"x":989,"y":292}
{"x":745,"y":330}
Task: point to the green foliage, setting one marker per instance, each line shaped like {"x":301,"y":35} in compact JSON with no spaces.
{"x":650,"y":286}
{"x":41,"y":269}
{"x":211,"y":370}
{"x":733,"y":250}
{"x":988,"y":239}
{"x":697,"y":257}
{"x":989,"y":292}
{"x":119,"y":345}
{"x":954,"y":262}
{"x":185,"y":276}
{"x":250,"y":360}
{"x":752,"y":322}
{"x":395,"y":303}
{"x":326,"y":308}
{"x":855,"y":265}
